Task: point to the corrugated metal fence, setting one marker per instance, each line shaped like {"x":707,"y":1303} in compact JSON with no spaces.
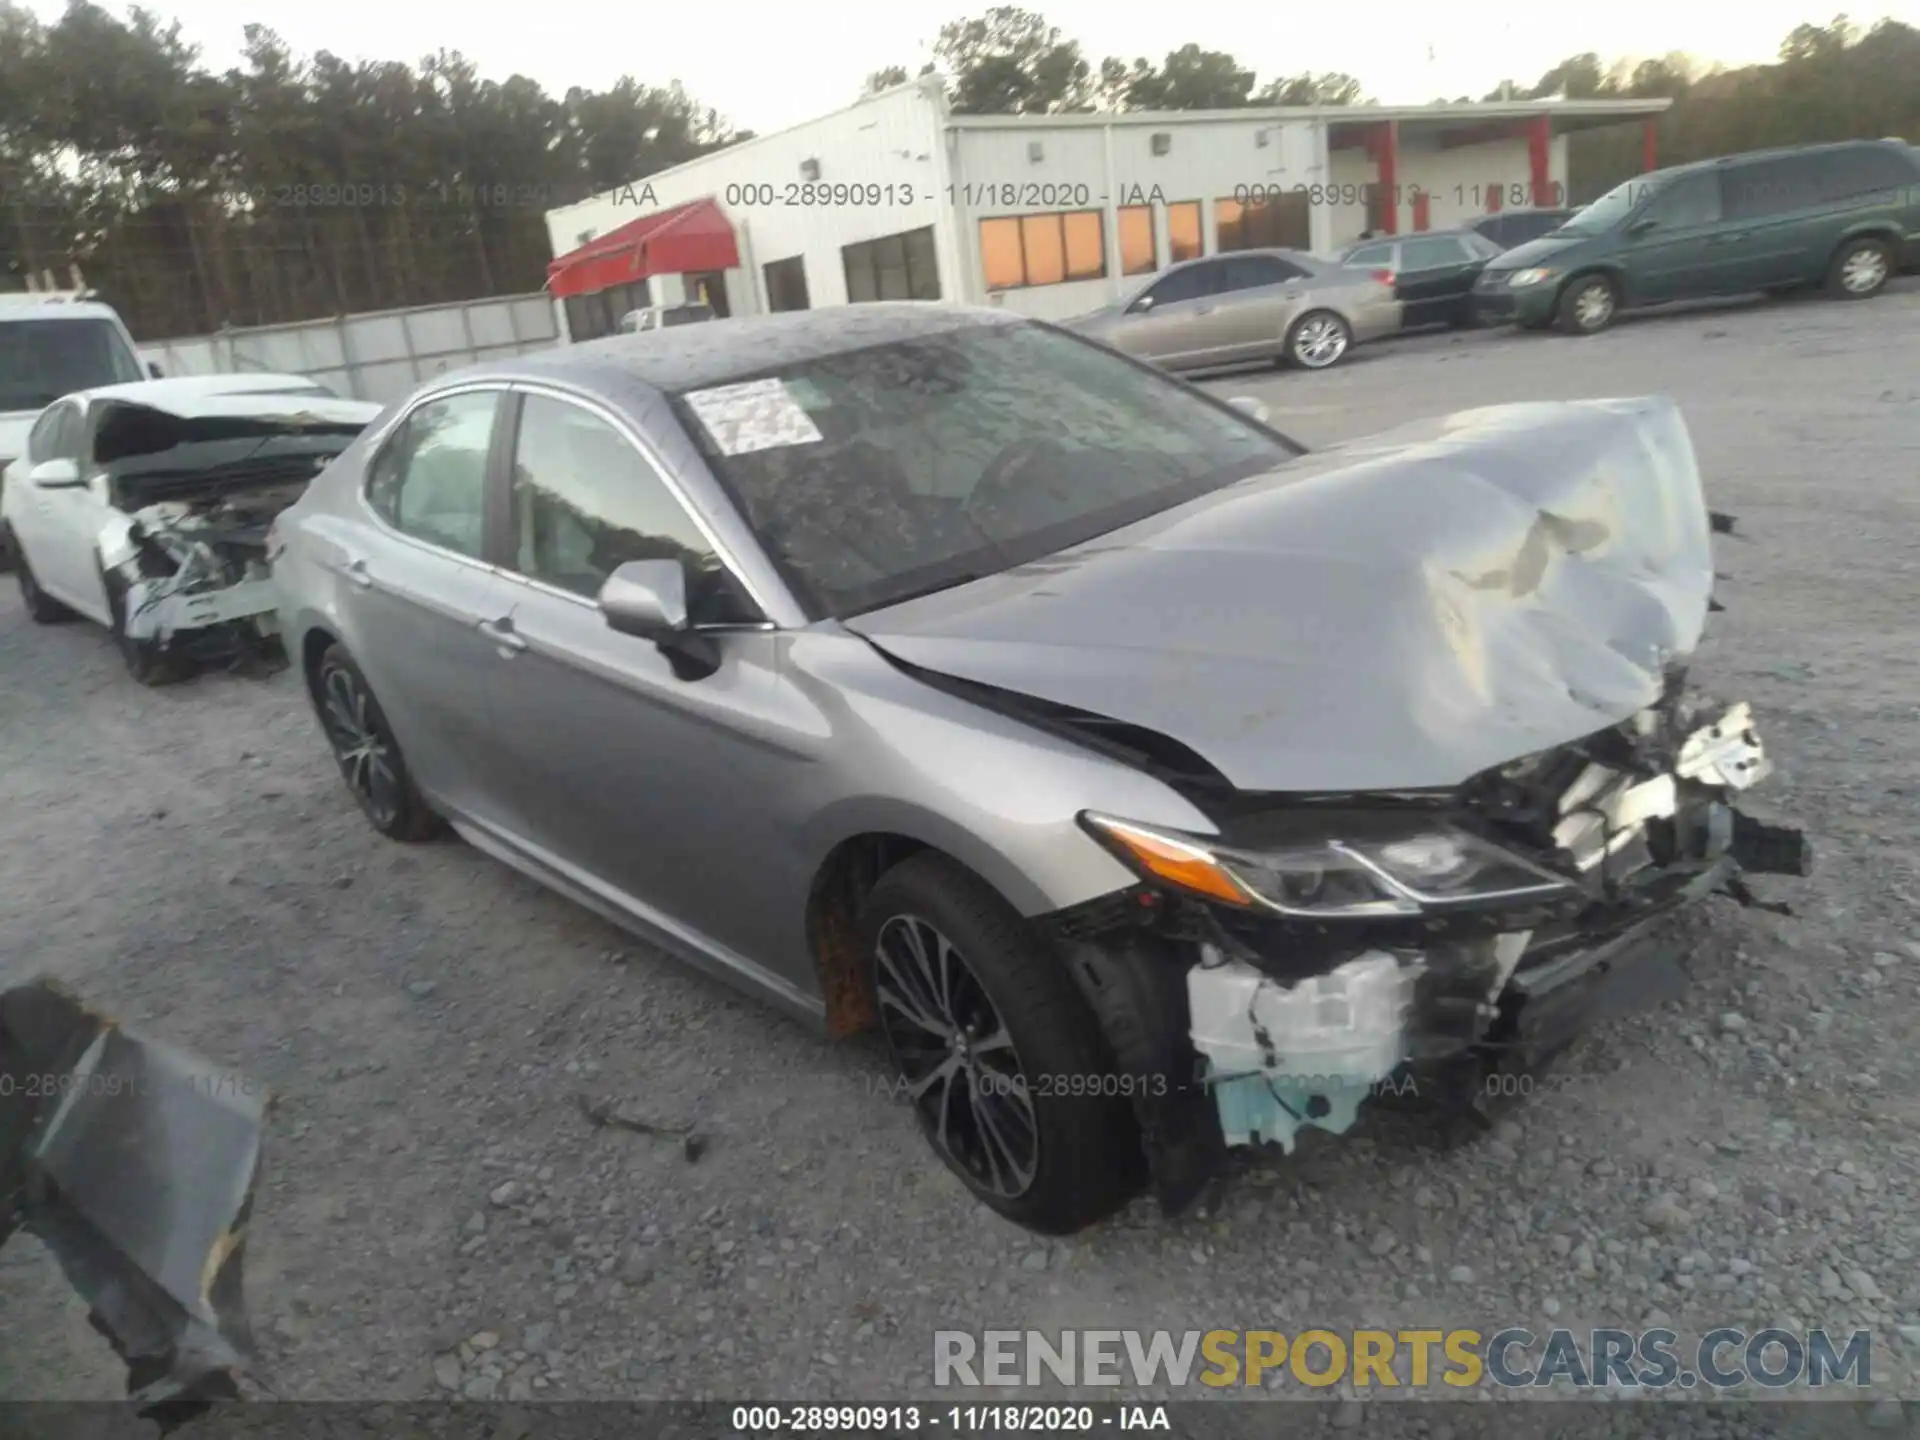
{"x":379,"y":355}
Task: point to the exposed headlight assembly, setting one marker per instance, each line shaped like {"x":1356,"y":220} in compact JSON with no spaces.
{"x":1433,"y":866}
{"x":1520,"y":279}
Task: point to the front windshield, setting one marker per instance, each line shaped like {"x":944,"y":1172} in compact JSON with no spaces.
{"x":1610,"y":209}
{"x":878,"y":474}
{"x":41,"y":360}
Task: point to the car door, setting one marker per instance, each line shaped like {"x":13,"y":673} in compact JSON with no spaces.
{"x":57,"y":536}
{"x":1773,"y":209}
{"x":1435,"y":279}
{"x":1676,"y":245}
{"x":1166,"y":323}
{"x":1253,"y":306}
{"x":630,"y":777}
{"x":418,"y":585}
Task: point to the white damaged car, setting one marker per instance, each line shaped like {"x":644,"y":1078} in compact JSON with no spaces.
{"x":146,"y":507}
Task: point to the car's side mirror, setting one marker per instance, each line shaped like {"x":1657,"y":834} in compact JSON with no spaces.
{"x":56,"y":475}
{"x":1141,"y":306}
{"x":648,"y":599}
{"x":1643,"y":225}
{"x":1250,"y":407}
{"x":153,"y":369}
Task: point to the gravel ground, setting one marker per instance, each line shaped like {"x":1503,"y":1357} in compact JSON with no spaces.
{"x":436,"y":1215}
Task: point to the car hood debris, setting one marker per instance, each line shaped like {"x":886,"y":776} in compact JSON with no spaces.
{"x":1396,"y":614}
{"x":134,"y":1163}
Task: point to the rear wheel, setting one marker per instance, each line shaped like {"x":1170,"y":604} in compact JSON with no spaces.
{"x":368,"y":755}
{"x":1860,"y":269}
{"x":1003,"y":1062}
{"x":42,"y":608}
{"x":1318,"y":339}
{"x":1587,"y":305}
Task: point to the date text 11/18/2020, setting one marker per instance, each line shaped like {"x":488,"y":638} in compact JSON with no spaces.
{"x":1078,"y":195}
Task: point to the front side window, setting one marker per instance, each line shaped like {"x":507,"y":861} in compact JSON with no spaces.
{"x":876,"y":474}
{"x":430,"y":478}
{"x":1690,"y":202}
{"x":586,"y":501}
{"x":1190,"y":283}
{"x":1371,"y":257}
{"x":1611,"y":209}
{"x":41,"y":360}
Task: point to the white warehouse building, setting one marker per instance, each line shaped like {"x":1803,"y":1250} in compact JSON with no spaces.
{"x":1047,"y":215}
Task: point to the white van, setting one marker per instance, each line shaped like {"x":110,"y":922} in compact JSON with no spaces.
{"x":52,"y":344}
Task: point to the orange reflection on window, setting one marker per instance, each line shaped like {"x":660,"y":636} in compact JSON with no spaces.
{"x":1183,"y":231}
{"x":1046,"y":249}
{"x":1138,"y":253}
{"x":1086,"y":244}
{"x":1000,"y":254}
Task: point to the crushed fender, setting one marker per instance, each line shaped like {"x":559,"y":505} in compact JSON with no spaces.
{"x":134,"y":1163}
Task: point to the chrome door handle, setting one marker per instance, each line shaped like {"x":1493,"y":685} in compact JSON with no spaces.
{"x":503,"y":635}
{"x":356,"y":571}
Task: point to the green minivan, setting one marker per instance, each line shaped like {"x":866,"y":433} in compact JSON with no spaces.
{"x":1846,"y":216}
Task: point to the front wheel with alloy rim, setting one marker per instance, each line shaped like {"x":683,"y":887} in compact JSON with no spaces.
{"x":368,"y":755}
{"x":1587,"y":305}
{"x":1002,"y":1059}
{"x":1318,"y":339}
{"x":1860,"y":269}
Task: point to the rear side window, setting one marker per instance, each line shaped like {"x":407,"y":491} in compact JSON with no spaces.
{"x":1770,"y":187}
{"x":1369,"y":256}
{"x":1248,"y":272}
{"x":430,"y":478}
{"x":1861,"y":171}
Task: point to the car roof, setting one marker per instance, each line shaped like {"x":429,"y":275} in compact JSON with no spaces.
{"x":1780,"y":152}
{"x":186,"y":389}
{"x":27,"y":308}
{"x":689,"y":357}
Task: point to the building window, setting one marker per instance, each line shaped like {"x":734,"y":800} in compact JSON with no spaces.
{"x":1139,"y":254}
{"x":1184,"y":241}
{"x":786,"y":284}
{"x":1279,"y":223}
{"x":1020,"y":251}
{"x":894,"y":267}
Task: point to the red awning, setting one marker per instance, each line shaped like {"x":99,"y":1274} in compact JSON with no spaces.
{"x":685,"y":239}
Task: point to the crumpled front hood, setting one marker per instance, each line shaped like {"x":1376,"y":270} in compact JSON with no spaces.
{"x":1401,"y":612}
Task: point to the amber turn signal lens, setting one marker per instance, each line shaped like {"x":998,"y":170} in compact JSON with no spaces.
{"x":1187,"y":866}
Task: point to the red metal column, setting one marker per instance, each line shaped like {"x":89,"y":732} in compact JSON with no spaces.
{"x":1650,"y":144}
{"x":1540,"y":160}
{"x":1386,"y":158}
{"x":1422,"y":213}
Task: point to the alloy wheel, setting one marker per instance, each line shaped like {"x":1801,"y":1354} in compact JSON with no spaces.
{"x":1320,"y":340}
{"x":366,"y":759}
{"x":956,"y":1056}
{"x":1864,"y":271}
{"x":1593,"y":306}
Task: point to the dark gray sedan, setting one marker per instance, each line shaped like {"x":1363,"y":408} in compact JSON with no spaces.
{"x":1279,"y":305}
{"x":1154,"y":786}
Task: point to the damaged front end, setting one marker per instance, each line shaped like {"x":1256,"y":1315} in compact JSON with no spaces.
{"x":1331,"y":948}
{"x":134,"y":1164}
{"x":184,"y":552}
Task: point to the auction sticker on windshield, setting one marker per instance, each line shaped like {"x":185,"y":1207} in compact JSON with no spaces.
{"x":755,"y":415}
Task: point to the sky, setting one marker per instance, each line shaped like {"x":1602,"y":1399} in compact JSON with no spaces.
{"x":768,"y":64}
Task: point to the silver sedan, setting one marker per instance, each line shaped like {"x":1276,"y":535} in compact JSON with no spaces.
{"x":1249,"y":305}
{"x":1153,"y":786}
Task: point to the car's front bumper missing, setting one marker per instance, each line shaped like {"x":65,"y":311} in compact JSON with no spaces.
{"x":1251,"y":1043}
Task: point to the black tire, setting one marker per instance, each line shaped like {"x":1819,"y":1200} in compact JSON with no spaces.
{"x":1085,"y":1160}
{"x":42,"y":608}
{"x":366,"y":752}
{"x":1338,"y":341}
{"x":146,"y":662}
{"x":1587,"y":305}
{"x":1860,"y":269}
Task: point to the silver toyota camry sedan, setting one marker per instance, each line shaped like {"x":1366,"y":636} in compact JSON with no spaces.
{"x":1154,"y":786}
